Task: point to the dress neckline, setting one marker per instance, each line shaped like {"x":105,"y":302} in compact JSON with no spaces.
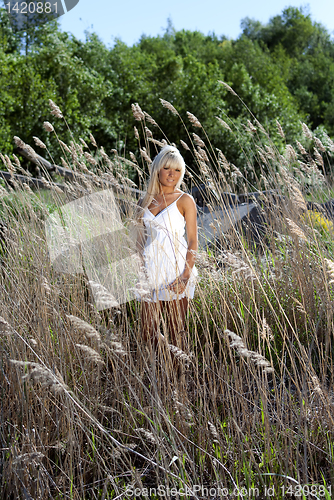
{"x":155,"y":216}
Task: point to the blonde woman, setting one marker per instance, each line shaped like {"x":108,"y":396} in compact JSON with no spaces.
{"x":168,"y":215}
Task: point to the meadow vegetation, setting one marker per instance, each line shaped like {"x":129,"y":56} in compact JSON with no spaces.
{"x":88,"y":410}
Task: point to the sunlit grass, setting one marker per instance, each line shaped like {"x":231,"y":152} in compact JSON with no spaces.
{"x":87,"y":410}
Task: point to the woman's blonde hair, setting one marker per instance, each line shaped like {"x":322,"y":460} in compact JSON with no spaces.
{"x":169,"y":156}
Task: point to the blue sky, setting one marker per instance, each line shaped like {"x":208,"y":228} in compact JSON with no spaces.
{"x":129,"y":19}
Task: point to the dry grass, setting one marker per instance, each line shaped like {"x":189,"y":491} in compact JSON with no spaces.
{"x":87,"y":410}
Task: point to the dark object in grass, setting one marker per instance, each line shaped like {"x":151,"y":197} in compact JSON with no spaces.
{"x":204,"y":195}
{"x":326,"y":208}
{"x":3,"y":237}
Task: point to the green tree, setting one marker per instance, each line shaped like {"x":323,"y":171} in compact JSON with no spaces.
{"x":304,"y":53}
{"x":283,"y":70}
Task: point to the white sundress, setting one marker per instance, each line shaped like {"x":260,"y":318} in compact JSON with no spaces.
{"x":165,"y":253}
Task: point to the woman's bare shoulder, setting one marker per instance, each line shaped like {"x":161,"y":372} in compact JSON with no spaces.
{"x":187,"y":203}
{"x":187,"y":198}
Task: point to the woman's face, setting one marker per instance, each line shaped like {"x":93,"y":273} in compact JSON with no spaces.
{"x":169,"y":177}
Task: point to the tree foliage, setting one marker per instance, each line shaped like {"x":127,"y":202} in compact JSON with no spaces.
{"x":283,"y":70}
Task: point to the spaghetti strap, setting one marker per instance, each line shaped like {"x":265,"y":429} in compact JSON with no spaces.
{"x":166,"y":208}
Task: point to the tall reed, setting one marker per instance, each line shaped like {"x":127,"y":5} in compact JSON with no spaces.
{"x":88,"y":411}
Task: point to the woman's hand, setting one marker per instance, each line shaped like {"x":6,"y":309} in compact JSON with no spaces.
{"x":178,"y":285}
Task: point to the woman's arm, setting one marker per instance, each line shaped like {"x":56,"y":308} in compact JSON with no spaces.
{"x":187,"y":206}
{"x":190,"y":216}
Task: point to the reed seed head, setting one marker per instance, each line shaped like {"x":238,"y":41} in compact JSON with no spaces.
{"x":42,"y":375}
{"x":257,"y":358}
{"x":228,"y":87}
{"x":91,"y":354}
{"x":179,"y":353}
{"x":92,"y":140}
{"x":251,"y":127}
{"x":5,"y":327}
{"x":266,"y":332}
{"x":137,"y":112}
{"x":133,"y":158}
{"x":169,"y":106}
{"x":148,"y":435}
{"x":136,"y":133}
{"x":198,"y":141}
{"x":290,"y":153}
{"x":84,"y":143}
{"x":104,"y":299}
{"x":48,"y":127}
{"x":297,"y":198}
{"x":150,"y":119}
{"x":223,"y":123}
{"x":330,"y":270}
{"x":307,"y":132}
{"x":202,"y":154}
{"x":280,"y":130}
{"x":63,"y":162}
{"x":155,"y":141}
{"x":65,"y":146}
{"x":27,"y":188}
{"x":148,"y":132}
{"x":17,"y":161}
{"x":90,"y":159}
{"x":185,"y":145}
{"x":301,"y":148}
{"x":316,"y":385}
{"x":55,"y":111}
{"x":145,"y":155}
{"x":39,"y":143}
{"x":28,"y":457}
{"x":84,"y":327}
{"x":213,"y":432}
{"x":193,"y":120}
{"x":294,"y":229}
{"x":3,"y":159}
{"x":9,"y":165}
{"x":19,"y":143}
{"x":319,"y":145}
{"x":318,"y":158}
